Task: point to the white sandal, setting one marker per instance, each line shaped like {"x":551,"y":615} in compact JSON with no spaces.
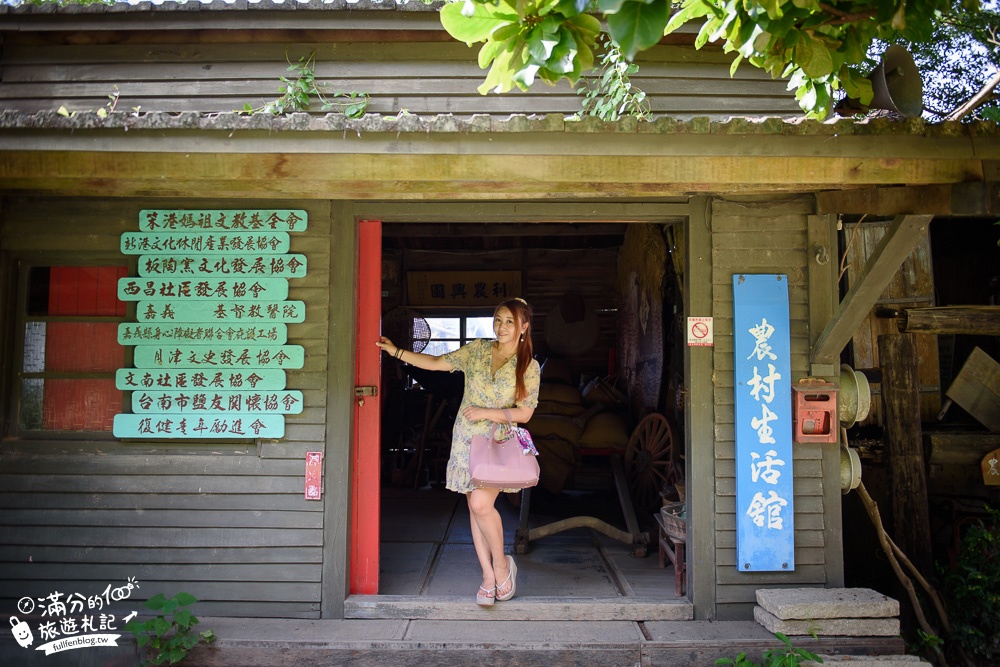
{"x":511,"y":577}
{"x":486,"y":596}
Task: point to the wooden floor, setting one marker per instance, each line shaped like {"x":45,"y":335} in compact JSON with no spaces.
{"x":426,"y":549}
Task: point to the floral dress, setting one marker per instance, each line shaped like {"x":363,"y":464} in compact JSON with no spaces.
{"x":483,"y":390}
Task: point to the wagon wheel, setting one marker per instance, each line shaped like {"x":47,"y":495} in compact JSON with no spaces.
{"x":649,"y":461}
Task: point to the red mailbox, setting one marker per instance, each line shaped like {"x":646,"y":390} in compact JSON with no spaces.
{"x":814,"y":411}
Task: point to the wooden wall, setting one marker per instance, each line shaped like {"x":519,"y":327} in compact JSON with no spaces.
{"x":218,"y":60}
{"x":227,"y":523}
{"x":761,"y":237}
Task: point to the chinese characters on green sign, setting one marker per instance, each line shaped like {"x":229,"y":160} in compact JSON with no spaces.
{"x":212,"y":315}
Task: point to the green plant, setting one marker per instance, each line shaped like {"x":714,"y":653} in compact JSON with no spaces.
{"x":297,"y":92}
{"x":971,"y":589}
{"x":611,"y":94}
{"x":103,"y":111}
{"x":927,"y":644}
{"x":167,"y":637}
{"x":782,"y":656}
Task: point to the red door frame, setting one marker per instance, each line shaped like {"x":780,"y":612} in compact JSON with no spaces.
{"x":365,"y":460}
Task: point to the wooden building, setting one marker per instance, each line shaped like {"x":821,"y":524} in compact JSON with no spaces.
{"x":436,"y":178}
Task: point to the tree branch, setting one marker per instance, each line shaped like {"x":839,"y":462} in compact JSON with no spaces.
{"x":984,"y":95}
{"x":883,"y":539}
{"x":844,"y":17}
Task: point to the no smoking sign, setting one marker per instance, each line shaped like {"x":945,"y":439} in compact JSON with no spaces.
{"x":700,"y":331}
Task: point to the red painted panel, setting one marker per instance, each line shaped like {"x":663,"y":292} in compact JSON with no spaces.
{"x":86,"y":293}
{"x":83,"y":347}
{"x":62,"y":290}
{"x":85,"y":290}
{"x":364,"y":536}
{"x":80,"y":405}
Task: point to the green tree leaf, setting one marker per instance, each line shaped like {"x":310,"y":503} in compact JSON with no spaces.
{"x":813,"y":57}
{"x":474,"y":26}
{"x":636,"y":26}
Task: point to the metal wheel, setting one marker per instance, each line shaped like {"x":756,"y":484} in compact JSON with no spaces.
{"x":650,"y":462}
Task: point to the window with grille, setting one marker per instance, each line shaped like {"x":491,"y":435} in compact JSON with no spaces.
{"x":68,"y":319}
{"x":450,"y":333}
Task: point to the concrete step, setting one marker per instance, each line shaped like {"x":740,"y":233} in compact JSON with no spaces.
{"x":283,"y":642}
{"x":443,"y":608}
{"x":500,"y":643}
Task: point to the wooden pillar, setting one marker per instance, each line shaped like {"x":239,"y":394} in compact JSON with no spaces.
{"x":904,"y":448}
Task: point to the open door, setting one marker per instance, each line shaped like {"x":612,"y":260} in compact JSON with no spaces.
{"x":364,"y":529}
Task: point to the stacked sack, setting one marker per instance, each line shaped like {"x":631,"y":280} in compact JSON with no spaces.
{"x":567,"y":422}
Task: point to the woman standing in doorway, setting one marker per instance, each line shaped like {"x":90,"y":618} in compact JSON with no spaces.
{"x":500,"y":376}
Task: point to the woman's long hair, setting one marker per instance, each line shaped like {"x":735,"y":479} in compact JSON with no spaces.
{"x":525,"y":352}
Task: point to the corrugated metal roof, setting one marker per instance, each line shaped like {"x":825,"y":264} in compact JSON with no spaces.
{"x":224,"y":5}
{"x":517,"y":123}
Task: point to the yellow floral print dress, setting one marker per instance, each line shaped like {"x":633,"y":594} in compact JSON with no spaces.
{"x":483,"y":390}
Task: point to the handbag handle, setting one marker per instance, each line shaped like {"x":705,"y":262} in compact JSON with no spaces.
{"x":493,"y":427}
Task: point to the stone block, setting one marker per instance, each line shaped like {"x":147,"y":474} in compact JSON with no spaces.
{"x":809,"y":603}
{"x":839,"y":627}
{"x":866,"y":661}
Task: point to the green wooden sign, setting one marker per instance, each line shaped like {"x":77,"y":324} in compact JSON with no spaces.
{"x":288,"y":220}
{"x":219,"y":356}
{"x":221,"y":243}
{"x":221,"y":311}
{"x":202,"y":333}
{"x":195,"y":379}
{"x":173,"y":426}
{"x":229,"y":402}
{"x":165,"y":289}
{"x":234,"y":266}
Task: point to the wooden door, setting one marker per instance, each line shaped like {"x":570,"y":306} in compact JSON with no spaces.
{"x":364,"y":529}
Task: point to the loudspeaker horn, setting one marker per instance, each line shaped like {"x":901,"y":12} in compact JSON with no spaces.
{"x":896,"y":85}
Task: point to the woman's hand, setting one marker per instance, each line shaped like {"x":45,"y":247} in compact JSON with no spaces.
{"x":385,"y":344}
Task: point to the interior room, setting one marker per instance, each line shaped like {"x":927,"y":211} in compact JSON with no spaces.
{"x":607,"y":307}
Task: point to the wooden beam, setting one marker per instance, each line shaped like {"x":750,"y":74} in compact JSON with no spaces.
{"x":965,"y":448}
{"x":901,"y":415}
{"x":903,"y":235}
{"x":554,"y":214}
{"x":823,"y":301}
{"x":450,"y":175}
{"x":475,"y":230}
{"x":699,"y":417}
{"x":973,"y":320}
{"x":972,"y":198}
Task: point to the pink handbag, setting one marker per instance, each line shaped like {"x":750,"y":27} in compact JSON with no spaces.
{"x":501,"y":465}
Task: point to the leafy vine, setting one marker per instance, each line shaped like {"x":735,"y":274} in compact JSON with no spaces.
{"x":298,"y":89}
{"x":611,"y":94}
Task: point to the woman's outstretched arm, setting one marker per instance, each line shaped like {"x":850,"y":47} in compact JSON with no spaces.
{"x":428,"y":362}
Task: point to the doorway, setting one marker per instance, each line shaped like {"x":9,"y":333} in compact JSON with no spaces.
{"x":584,"y":309}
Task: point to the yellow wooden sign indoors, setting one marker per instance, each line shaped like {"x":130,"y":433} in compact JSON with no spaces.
{"x":462,"y":288}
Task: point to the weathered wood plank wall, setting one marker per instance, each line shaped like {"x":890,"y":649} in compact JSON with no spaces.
{"x":207,"y":62}
{"x":225,"y":522}
{"x":912,"y":287}
{"x":761,"y":237}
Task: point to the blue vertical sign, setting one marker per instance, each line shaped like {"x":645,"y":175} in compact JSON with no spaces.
{"x":765,"y":531}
